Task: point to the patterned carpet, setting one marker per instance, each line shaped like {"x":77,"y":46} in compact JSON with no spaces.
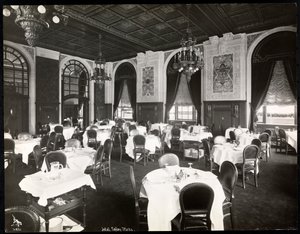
{"x":271,"y":206}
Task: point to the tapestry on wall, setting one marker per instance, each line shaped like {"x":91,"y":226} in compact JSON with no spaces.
{"x":223,"y":73}
{"x":148,"y":81}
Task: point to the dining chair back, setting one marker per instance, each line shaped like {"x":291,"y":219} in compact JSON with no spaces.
{"x":190,"y":148}
{"x":131,"y":127}
{"x":140,"y":203}
{"x":9,"y":152}
{"x":95,"y":127}
{"x":250,"y":163}
{"x":169,"y":159}
{"x":175,"y":132}
{"x":265,"y":145}
{"x":228,"y":178}
{"x":73,"y":143}
{"x":209,"y":164}
{"x":282,"y":145}
{"x":59,"y":141}
{"x":95,"y":169}
{"x":106,"y":157}
{"x":38,"y":157}
{"x":232,"y":136}
{"x":59,"y":129}
{"x":113,"y":133}
{"x":92,"y":138}
{"x":176,"y":144}
{"x":195,"y":213}
{"x":268,"y":131}
{"x":139,"y":149}
{"x":155,"y":132}
{"x":21,"y":219}
{"x":53,"y":156}
{"x":50,"y":142}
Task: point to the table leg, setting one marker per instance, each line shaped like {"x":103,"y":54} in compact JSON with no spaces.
{"x":47,"y":218}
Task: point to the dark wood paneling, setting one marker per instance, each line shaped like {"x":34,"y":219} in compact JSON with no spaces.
{"x":150,"y":111}
{"x":47,"y":90}
{"x":221,"y":115}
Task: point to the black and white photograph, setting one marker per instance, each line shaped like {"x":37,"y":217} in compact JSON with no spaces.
{"x":150,"y":117}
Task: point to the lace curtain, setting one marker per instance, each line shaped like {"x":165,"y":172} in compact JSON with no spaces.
{"x":183,"y":96}
{"x":279,"y":92}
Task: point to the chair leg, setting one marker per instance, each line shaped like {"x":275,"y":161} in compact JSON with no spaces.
{"x":243,"y":178}
{"x":231,"y":217}
{"x":255,"y":177}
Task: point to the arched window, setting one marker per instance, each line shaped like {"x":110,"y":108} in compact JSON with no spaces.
{"x":124,"y":109}
{"x":16,"y":90}
{"x":75,"y":92}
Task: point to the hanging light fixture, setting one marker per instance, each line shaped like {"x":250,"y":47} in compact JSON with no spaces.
{"x":189,"y":59}
{"x":99,"y":74}
{"x":35,"y":18}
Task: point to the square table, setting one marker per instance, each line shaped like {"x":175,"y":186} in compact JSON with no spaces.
{"x":53,"y":197}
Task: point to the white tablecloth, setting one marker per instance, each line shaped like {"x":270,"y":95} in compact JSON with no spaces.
{"x":142,"y":130}
{"x":227,"y":152}
{"x":291,"y":137}
{"x":186,"y":136}
{"x":77,"y":159}
{"x":151,"y":143}
{"x":197,"y":128}
{"x":102,"y":135}
{"x":246,"y":139}
{"x":39,"y":184}
{"x":67,"y":131}
{"x":159,"y":126}
{"x":232,"y":129}
{"x":159,"y":187}
{"x":26,"y":147}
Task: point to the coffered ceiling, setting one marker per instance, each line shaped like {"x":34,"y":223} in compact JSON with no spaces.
{"x":132,"y":28}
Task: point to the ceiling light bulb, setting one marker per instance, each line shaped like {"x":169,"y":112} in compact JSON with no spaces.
{"x":15,"y":7}
{"x":6,"y":12}
{"x":41,"y":9}
{"x":55,"y":19}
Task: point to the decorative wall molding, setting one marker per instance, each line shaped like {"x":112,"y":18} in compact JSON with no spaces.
{"x":51,"y":54}
{"x":251,"y":38}
{"x":227,"y":52}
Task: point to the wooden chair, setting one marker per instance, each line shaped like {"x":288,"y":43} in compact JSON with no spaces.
{"x":195,"y":213}
{"x":53,"y":156}
{"x":106,"y":157}
{"x":265,"y":145}
{"x":59,"y":129}
{"x":176,"y":144}
{"x":250,"y":163}
{"x":282,"y":144}
{"x":257,"y":142}
{"x":169,"y":159}
{"x":95,"y":169}
{"x":232,"y":136}
{"x":38,"y":157}
{"x":59,"y":141}
{"x":9,"y":152}
{"x":209,"y":162}
{"x":92,"y":138}
{"x":228,"y":178}
{"x":139,"y":149}
{"x":140,"y":204}
{"x":50,"y":142}
{"x":119,"y":133}
{"x":21,"y":219}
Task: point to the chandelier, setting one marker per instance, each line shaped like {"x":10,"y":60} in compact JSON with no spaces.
{"x":189,"y":59}
{"x":99,"y":74}
{"x":35,"y":18}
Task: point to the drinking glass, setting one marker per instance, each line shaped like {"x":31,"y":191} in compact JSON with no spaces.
{"x":190,"y":165}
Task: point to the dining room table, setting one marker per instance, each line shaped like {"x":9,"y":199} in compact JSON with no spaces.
{"x":77,"y":158}
{"x":241,"y":130}
{"x":152,"y":142}
{"x":291,"y":138}
{"x":185,"y":135}
{"x":162,"y":188}
{"x":25,"y":147}
{"x":102,"y":136}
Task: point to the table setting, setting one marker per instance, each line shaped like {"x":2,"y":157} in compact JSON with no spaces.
{"x":162,"y":188}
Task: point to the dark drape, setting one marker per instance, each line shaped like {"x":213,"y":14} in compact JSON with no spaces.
{"x":195,"y":92}
{"x":131,"y":85}
{"x":82,"y":82}
{"x":261,"y":77}
{"x":173,"y":80}
{"x":290,"y":69}
{"x":119,"y":84}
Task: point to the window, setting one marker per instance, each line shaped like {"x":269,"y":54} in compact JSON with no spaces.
{"x":183,"y":108}
{"x":183,"y":113}
{"x":276,"y":114}
{"x":124,"y":109}
{"x":279,"y":106}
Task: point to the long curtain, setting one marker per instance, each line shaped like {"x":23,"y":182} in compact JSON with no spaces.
{"x":290,"y":69}
{"x":261,"y":77}
{"x":195,"y":92}
{"x":173,"y":80}
{"x":119,"y":84}
{"x":131,"y":85}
